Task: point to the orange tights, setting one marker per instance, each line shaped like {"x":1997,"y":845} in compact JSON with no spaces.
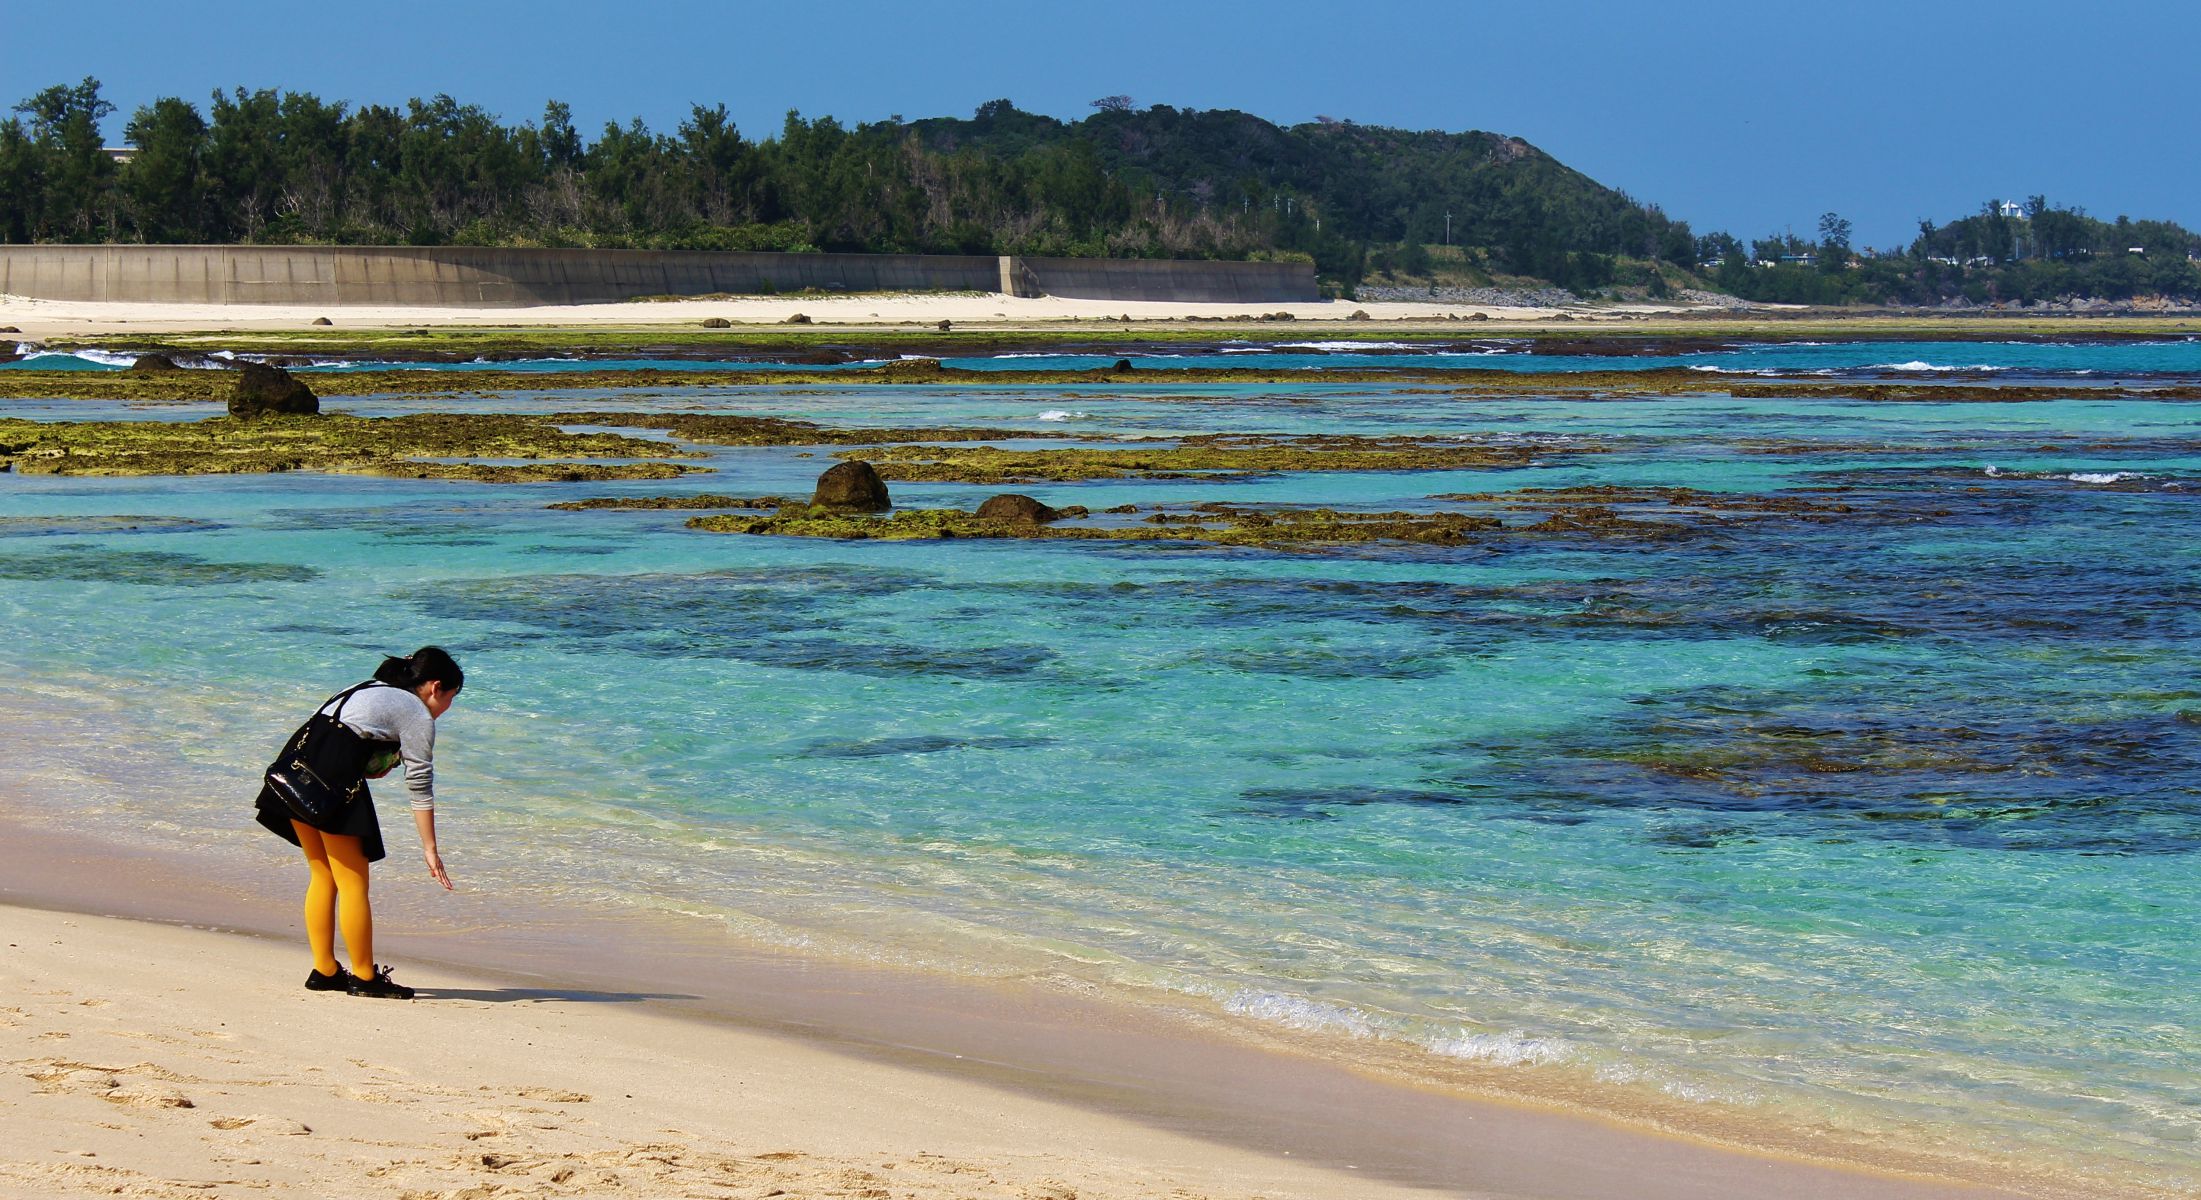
{"x":336,"y":892}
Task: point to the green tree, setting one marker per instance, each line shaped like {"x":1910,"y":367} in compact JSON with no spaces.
{"x":164,"y":181}
{"x":74,"y":169}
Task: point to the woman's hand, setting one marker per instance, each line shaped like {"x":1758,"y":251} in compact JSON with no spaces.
{"x":435,"y":867}
{"x":424,"y":819}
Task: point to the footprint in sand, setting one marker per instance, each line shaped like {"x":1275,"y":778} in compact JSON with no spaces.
{"x":280,"y":1126}
{"x":554,"y":1095}
{"x":66,"y":1077}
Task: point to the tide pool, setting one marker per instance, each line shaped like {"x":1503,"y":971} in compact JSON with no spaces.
{"x":1881,"y":823}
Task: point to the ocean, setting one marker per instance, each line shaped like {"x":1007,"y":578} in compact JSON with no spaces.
{"x":1876,"y":813}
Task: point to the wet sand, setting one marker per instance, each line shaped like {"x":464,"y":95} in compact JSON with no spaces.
{"x":746,"y":1072}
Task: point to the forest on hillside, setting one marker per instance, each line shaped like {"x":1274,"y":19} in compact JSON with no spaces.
{"x":271,"y":166}
{"x":290,"y":167}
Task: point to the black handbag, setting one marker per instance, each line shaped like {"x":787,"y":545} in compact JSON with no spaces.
{"x":323,"y":768}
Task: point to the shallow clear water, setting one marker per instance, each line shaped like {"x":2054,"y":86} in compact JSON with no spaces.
{"x":1885,"y":822}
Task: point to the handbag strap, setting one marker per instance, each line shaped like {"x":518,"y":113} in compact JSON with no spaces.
{"x":344,"y":697}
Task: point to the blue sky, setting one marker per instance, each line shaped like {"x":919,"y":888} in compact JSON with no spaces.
{"x":1749,"y":117}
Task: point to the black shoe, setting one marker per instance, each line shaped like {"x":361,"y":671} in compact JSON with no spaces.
{"x":381,"y":986}
{"x":339,"y":982}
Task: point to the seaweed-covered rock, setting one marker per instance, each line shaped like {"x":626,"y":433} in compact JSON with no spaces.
{"x":261,"y":390}
{"x":323,"y":321}
{"x":717,"y":323}
{"x":851,"y":487}
{"x":912,"y":368}
{"x":1014,"y":506}
{"x":9,"y":329}
{"x":155,"y":362}
{"x":796,"y":319}
{"x":1122,"y":365}
{"x":1360,"y":314}
{"x":946,"y":325}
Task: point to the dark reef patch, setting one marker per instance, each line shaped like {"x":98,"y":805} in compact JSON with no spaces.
{"x":918,"y":744}
{"x":59,"y":526}
{"x":1858,"y":761}
{"x":155,"y":568}
{"x":1315,"y":804}
{"x":787,"y":618}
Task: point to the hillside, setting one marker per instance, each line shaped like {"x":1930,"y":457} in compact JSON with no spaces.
{"x":269,"y":166}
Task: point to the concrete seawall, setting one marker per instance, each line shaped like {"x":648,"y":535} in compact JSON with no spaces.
{"x":464,"y":276}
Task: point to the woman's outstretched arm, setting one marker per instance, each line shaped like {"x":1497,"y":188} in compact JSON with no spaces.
{"x":425,"y":820}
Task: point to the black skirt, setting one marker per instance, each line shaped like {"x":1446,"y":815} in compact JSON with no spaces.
{"x":358,"y":821}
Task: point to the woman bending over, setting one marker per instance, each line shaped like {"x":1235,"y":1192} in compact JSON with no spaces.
{"x":394,"y":717}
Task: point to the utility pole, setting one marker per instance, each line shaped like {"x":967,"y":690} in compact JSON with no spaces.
{"x":1448,"y":227}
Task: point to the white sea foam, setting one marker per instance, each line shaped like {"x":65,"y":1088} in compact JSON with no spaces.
{"x":1917,"y":364}
{"x":1512,"y":1048}
{"x":2103,"y":476}
{"x":1695,"y":1093}
{"x":1347,"y":346}
{"x":1062,"y":414}
{"x":1298,"y":1012}
{"x":233,"y":356}
{"x":1027,"y":354}
{"x":105,"y":358}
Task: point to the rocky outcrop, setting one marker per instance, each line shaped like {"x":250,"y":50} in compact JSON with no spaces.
{"x":1014,"y":506}
{"x":717,"y":323}
{"x":851,"y":486}
{"x":263,"y":390}
{"x":796,"y":319}
{"x":913,"y":368}
{"x":155,"y":362}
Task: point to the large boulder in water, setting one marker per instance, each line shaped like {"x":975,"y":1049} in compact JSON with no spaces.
{"x":261,"y":390}
{"x":154,"y":362}
{"x":852,"y":486}
{"x":1011,"y":506}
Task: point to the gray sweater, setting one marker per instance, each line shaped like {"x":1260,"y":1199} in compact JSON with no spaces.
{"x":392,"y":714}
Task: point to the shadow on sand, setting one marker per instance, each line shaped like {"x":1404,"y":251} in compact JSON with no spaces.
{"x":544,"y":995}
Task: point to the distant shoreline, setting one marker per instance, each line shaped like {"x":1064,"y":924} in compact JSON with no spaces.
{"x":891,"y":317}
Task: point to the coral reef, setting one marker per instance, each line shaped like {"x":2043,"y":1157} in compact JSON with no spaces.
{"x":418,"y":446}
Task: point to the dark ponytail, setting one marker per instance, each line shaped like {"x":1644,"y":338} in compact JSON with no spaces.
{"x":425,"y":665}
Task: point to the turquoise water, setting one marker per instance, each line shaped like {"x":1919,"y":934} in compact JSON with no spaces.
{"x":1884,"y":823}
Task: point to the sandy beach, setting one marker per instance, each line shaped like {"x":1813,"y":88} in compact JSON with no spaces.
{"x":158,"y":1061}
{"x":55,"y":318}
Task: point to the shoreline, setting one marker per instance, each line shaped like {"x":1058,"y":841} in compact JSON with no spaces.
{"x":871,"y":1015}
{"x":235,"y":1082}
{"x":892,"y":317}
{"x":1109,"y":1061}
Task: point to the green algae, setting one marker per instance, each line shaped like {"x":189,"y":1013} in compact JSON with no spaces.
{"x":707,"y":500}
{"x":393,"y":446}
{"x":214,"y":386}
{"x":727,"y":430}
{"x":766,"y":340}
{"x":1204,"y":457}
{"x":1220,"y":524}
